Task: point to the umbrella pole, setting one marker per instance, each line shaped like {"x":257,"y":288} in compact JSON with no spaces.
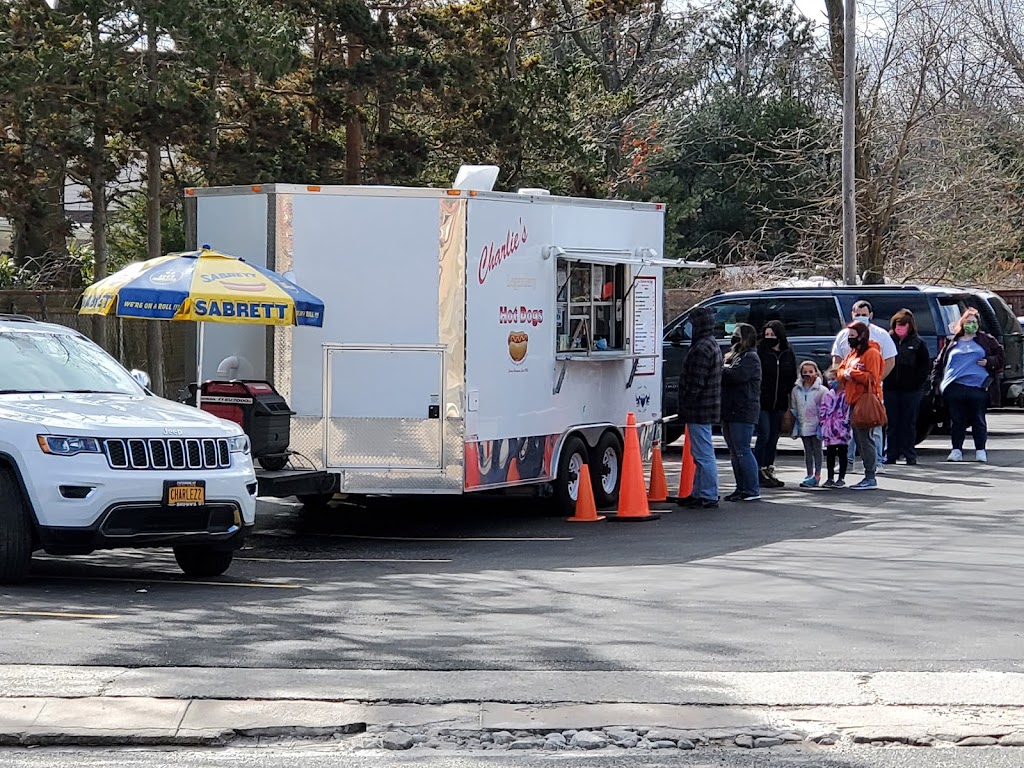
{"x":199,"y":366}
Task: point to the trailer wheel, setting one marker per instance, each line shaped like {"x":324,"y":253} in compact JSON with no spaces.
{"x":567,"y":483}
{"x":606,"y":470}
{"x":15,"y":532}
{"x":203,"y":562}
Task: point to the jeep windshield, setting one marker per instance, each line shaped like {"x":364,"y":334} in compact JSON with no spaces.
{"x":40,"y":362}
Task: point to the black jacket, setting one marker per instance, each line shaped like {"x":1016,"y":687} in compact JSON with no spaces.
{"x":913,"y":364}
{"x":700,"y":382}
{"x":741,"y":389}
{"x":778,"y":375}
{"x":995,"y":362}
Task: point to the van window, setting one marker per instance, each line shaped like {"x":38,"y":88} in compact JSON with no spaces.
{"x":950,"y":307}
{"x":816,"y":316}
{"x":1007,"y":320}
{"x":729,"y":314}
{"x":886,"y":305}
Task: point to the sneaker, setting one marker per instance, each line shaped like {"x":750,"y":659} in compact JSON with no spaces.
{"x":829,"y":484}
{"x":865,"y":485}
{"x":840,"y":484}
{"x":747,"y":497}
{"x":706,"y":504}
{"x":911,"y":462}
{"x":981,"y":456}
{"x":688,"y":502}
{"x":775,"y":482}
{"x":955,"y":455}
{"x":809,"y":482}
{"x":734,"y":496}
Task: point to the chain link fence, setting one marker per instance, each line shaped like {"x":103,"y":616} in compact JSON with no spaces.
{"x":126,"y":339}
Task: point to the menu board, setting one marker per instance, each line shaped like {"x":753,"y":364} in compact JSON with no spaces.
{"x":645,"y":323}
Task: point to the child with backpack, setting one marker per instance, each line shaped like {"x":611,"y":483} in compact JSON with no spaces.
{"x":805,"y":403}
{"x":836,"y":432}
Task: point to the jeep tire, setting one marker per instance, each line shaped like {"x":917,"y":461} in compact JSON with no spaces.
{"x":203,"y":562}
{"x":15,"y":531}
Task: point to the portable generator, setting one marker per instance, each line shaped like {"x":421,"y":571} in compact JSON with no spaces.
{"x":259,"y":410}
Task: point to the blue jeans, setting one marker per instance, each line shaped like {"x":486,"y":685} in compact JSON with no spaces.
{"x":967,"y":406}
{"x":901,"y":409}
{"x":744,"y":465}
{"x":769,"y":425}
{"x":705,"y":476}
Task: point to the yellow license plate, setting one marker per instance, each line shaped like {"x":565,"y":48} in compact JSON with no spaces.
{"x":186,"y":494}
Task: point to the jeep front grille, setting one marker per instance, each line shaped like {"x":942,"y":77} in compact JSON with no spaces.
{"x":167,"y":453}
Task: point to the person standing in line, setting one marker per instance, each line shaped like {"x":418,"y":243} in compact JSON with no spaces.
{"x":805,"y":402}
{"x":778,"y":370}
{"x":836,"y":431}
{"x":863,"y":313}
{"x":903,"y":388}
{"x":964,"y":373}
{"x":741,"y":399}
{"x":861,"y":373}
{"x":700,"y":406}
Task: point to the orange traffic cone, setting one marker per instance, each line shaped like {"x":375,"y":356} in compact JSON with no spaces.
{"x":659,"y":485}
{"x":687,"y":471}
{"x":586,"y":509}
{"x":633,"y":491}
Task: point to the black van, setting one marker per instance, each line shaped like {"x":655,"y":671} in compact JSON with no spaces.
{"x":814,"y":315}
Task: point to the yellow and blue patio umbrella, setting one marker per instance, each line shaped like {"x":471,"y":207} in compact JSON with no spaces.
{"x":202,"y":286}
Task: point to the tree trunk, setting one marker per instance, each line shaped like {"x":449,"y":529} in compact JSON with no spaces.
{"x":98,"y":190}
{"x":154,"y":331}
{"x":354,"y":121}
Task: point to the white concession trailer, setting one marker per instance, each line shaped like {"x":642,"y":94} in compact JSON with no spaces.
{"x":472,"y":340}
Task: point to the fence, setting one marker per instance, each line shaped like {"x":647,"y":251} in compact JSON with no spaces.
{"x":126,"y":339}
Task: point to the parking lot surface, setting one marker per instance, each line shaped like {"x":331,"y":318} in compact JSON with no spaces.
{"x":924,"y":574}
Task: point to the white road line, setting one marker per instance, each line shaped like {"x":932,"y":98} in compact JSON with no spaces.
{"x":339,"y":560}
{"x":443,"y":538}
{"x":144,"y":580}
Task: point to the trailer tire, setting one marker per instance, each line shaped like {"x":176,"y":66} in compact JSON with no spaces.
{"x":606,"y":470}
{"x":203,"y":562}
{"x":571,"y":460}
{"x":15,"y":531}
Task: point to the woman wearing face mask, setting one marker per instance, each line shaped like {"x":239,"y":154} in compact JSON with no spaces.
{"x":903,"y":387}
{"x":741,"y":398}
{"x":861,"y":373}
{"x":778,"y":371}
{"x":963,"y":374}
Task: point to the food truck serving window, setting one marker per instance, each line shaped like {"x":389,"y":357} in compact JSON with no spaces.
{"x":589,"y":306}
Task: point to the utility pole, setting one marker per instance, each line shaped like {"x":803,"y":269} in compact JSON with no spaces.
{"x":849,"y":141}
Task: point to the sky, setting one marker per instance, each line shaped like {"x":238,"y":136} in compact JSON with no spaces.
{"x":812,"y":9}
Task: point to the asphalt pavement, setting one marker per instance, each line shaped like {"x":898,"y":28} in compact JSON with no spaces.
{"x":334,"y":757}
{"x":924,"y":574}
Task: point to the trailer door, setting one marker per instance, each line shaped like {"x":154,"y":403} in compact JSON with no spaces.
{"x":383,"y":407}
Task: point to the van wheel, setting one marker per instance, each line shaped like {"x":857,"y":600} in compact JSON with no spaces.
{"x":203,"y":562}
{"x":606,"y":470}
{"x":15,"y":532}
{"x":567,"y":483}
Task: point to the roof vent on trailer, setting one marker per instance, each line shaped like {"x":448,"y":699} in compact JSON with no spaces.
{"x":534,"y":191}
{"x":479,"y":178}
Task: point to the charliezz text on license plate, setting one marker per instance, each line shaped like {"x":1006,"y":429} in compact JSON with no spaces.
{"x":185,"y":493}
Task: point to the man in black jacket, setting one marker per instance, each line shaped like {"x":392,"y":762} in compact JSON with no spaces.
{"x":700,"y":406}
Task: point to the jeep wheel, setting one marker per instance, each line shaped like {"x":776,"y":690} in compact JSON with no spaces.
{"x":203,"y":562}
{"x":15,"y":532}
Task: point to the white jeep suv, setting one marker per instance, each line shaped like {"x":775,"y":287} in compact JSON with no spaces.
{"x":89,"y":460}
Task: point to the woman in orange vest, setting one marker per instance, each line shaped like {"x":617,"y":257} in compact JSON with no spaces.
{"x":860,"y":373}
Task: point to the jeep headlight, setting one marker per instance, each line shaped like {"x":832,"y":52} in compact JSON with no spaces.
{"x":238,"y":444}
{"x":61,"y":445}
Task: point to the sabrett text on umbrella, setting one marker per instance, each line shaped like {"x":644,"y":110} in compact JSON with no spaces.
{"x":252,"y":310}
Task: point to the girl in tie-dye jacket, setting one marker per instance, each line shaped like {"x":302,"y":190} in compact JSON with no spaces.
{"x":836,"y":432}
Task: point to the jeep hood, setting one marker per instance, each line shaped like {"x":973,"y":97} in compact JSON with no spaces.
{"x":110,"y":415}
